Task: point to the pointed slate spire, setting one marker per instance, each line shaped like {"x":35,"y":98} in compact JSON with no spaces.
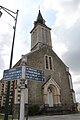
{"x":40,"y":19}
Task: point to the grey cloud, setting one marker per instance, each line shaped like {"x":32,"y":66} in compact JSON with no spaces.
{"x":4,"y":41}
{"x":1,"y":63}
{"x":72,"y":58}
{"x":77,"y":82}
{"x":77,"y":88}
{"x":71,"y":38}
{"x":71,"y":5}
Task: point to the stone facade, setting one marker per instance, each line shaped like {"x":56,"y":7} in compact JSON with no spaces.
{"x":59,"y":74}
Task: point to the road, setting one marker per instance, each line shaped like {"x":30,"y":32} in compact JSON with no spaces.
{"x":57,"y":117}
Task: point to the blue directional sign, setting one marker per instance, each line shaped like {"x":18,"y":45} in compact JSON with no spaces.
{"x":16,"y":74}
{"x":34,"y":74}
{"x":12,"y":74}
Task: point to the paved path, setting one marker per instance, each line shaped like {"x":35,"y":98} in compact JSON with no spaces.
{"x":57,"y":117}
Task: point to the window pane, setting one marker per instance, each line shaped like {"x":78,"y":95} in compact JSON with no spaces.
{"x":50,"y":63}
{"x":46,"y":59}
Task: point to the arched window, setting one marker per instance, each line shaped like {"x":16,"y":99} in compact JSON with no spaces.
{"x":48,"y":62}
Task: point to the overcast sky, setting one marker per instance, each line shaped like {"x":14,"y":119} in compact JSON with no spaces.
{"x":62,"y":16}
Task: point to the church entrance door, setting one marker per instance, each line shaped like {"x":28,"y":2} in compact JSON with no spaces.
{"x":50,"y":98}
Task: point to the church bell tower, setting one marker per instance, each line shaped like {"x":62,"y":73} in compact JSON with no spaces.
{"x":40,"y":34}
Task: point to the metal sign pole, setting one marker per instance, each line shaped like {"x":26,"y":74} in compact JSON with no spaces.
{"x":22,"y":101}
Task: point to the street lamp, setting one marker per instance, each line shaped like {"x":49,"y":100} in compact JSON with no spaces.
{"x":10,"y":12}
{"x":0,"y":13}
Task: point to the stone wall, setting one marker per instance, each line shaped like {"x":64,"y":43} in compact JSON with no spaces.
{"x":36,"y":60}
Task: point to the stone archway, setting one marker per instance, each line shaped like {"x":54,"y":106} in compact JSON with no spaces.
{"x":51,"y":93}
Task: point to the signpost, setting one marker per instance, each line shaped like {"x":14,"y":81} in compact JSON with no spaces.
{"x":34,"y":74}
{"x":12,"y":74}
{"x":16,"y":74}
{"x":23,"y":73}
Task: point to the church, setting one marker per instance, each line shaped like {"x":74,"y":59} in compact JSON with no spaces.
{"x":54,"y":94}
